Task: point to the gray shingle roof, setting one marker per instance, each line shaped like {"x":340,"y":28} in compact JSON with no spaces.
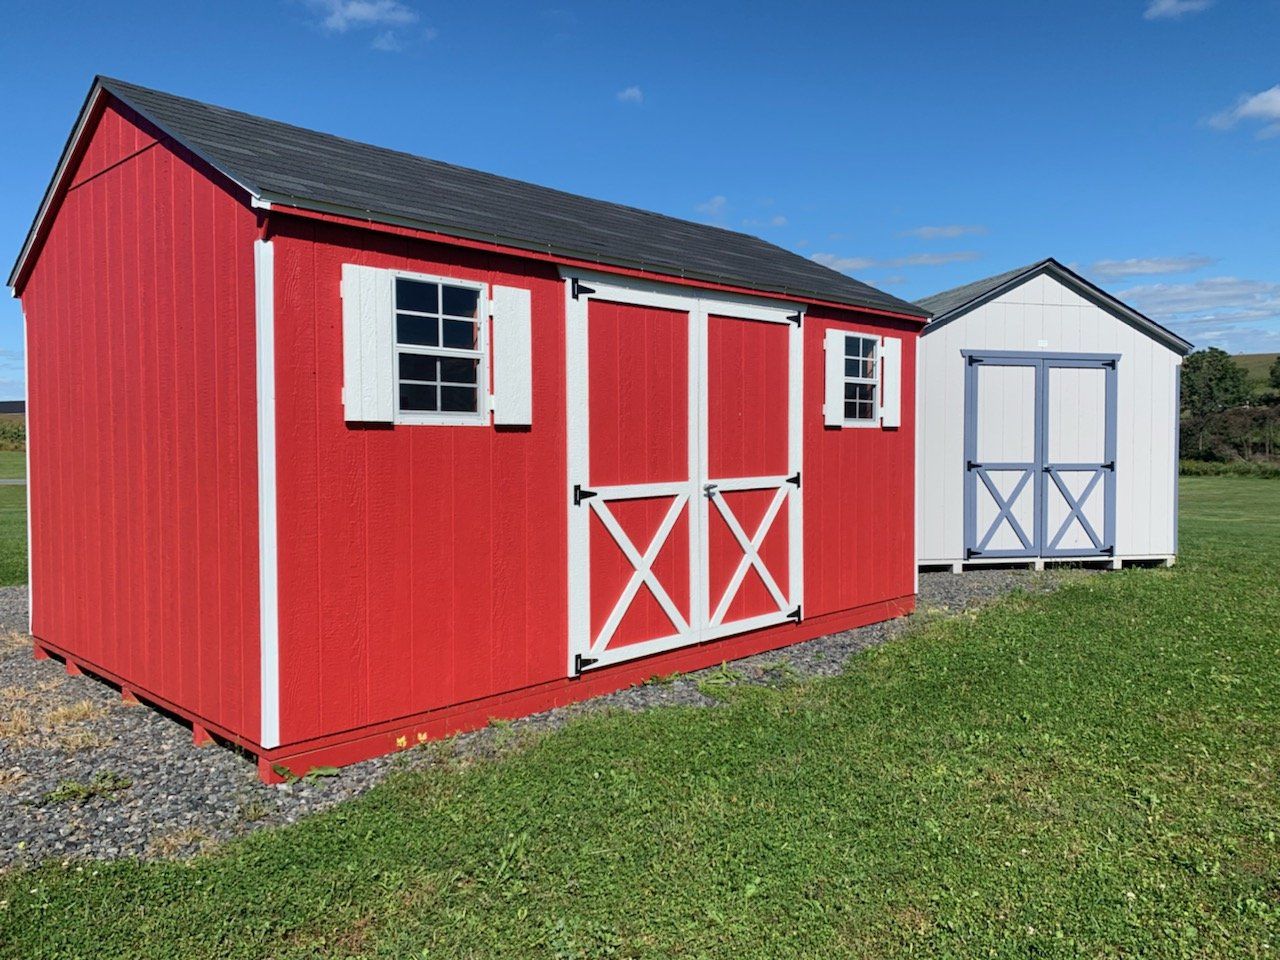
{"x":287,"y":164}
{"x":940,"y":304}
{"x":950,"y":304}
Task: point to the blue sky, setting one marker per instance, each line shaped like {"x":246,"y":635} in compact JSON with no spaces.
{"x":914,"y":145}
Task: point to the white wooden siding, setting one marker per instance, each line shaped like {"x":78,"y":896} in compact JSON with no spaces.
{"x":1045,"y":315}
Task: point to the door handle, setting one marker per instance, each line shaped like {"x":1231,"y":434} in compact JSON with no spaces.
{"x":709,"y":489}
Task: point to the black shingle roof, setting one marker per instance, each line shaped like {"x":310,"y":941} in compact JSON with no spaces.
{"x":287,"y":164}
{"x":950,"y":304}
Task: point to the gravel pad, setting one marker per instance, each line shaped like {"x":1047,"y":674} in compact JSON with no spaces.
{"x":82,"y":774}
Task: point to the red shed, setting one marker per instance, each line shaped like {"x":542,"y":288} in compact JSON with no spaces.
{"x":334,"y":449}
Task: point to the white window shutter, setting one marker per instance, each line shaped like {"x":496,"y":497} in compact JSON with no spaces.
{"x":891,"y":382}
{"x":833,"y":404}
{"x":512,"y":356}
{"x":368,"y":345}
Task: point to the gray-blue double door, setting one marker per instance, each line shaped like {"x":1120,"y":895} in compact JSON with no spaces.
{"x":1040,"y":455}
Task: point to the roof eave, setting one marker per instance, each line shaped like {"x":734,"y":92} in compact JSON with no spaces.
{"x":55,"y":182}
{"x":375,"y":218}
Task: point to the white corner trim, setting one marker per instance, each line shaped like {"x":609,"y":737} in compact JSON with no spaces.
{"x":26,"y":414}
{"x":268,"y":580}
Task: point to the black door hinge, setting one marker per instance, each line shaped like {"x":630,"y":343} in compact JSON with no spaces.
{"x":794,"y":614}
{"x":795,"y":479}
{"x":970,"y":465}
{"x":580,"y":493}
{"x":1109,"y":465}
{"x":1110,"y":364}
{"x":577,"y":287}
{"x":580,"y":663}
{"x":796,"y":318}
{"x":970,"y":553}
{"x":971,"y":359}
{"x":1109,"y":551}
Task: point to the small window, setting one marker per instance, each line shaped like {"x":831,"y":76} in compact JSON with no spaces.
{"x":439,"y":350}
{"x":861,"y":378}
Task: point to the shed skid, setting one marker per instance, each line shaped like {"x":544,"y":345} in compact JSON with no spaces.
{"x":406,"y":732}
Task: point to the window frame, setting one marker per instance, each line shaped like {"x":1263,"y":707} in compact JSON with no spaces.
{"x":876,"y":381}
{"x":484,"y":401}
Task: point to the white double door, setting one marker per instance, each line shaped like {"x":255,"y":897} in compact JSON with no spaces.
{"x":684,"y":468}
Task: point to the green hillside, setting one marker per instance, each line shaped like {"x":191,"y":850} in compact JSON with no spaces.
{"x":1258,"y":367}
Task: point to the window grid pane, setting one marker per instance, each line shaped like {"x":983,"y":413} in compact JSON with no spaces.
{"x":430,"y":314}
{"x":861,"y":378}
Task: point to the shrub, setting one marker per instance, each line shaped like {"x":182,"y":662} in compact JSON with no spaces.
{"x":1231,"y":468}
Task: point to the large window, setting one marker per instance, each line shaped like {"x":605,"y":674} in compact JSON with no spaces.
{"x":439,"y":350}
{"x":861,"y":378}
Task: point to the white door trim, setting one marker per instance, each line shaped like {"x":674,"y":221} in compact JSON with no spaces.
{"x":580,"y":288}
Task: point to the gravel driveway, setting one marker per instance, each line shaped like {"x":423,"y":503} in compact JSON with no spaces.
{"x":84,"y":775}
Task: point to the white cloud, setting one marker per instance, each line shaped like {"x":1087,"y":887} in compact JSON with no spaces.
{"x":339,"y":16}
{"x":1174,"y":9}
{"x":945,"y":232}
{"x":386,"y":41}
{"x":1225,"y":297}
{"x":630,"y":95}
{"x":754,"y":223}
{"x":715,"y":207}
{"x":933,"y":259}
{"x":849,"y":264}
{"x":843,"y":264}
{"x":1238,"y":315}
{"x":1263,"y":107}
{"x":1146,"y":266}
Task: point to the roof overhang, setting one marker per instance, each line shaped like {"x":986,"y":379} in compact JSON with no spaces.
{"x":1089,"y":291}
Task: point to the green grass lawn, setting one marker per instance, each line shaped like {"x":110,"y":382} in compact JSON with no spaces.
{"x":13,"y":534}
{"x":1090,"y":773}
{"x":13,"y":464}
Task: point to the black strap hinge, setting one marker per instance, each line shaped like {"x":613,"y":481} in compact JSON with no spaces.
{"x":794,"y":614}
{"x":796,"y":318}
{"x":970,"y":553}
{"x":1109,"y":465}
{"x":970,"y":465}
{"x":581,"y":493}
{"x":577,"y":287}
{"x":795,"y":479}
{"x":580,"y":663}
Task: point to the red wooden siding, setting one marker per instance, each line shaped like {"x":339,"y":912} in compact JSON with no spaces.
{"x":748,"y":395}
{"x":420,"y":566}
{"x":638,"y":427}
{"x":423,"y":567}
{"x":140,"y":327}
{"x":859,"y":485}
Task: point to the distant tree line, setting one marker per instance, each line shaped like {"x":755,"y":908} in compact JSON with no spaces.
{"x":1223,"y":419}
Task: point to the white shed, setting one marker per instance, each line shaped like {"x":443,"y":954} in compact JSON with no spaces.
{"x":1047,"y":425}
